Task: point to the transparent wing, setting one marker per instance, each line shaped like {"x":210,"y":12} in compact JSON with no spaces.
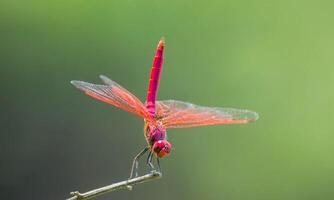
{"x":113,"y":94}
{"x":178,"y":114}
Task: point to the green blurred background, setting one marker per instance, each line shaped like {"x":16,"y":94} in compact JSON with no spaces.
{"x":274,"y":57}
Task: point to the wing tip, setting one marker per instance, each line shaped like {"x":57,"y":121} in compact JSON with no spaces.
{"x":74,"y":82}
{"x":253,"y":116}
{"x":107,"y":80}
{"x":81,"y":85}
{"x":102,"y":76}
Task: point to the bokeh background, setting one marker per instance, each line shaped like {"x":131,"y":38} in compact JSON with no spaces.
{"x":274,"y":57}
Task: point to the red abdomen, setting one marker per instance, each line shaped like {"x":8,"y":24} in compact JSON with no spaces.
{"x":155,"y":77}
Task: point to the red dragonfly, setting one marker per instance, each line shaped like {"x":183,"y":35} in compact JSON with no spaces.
{"x":160,"y":115}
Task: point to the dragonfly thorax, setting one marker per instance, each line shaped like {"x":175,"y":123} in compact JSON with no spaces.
{"x":156,"y":136}
{"x":154,"y":132}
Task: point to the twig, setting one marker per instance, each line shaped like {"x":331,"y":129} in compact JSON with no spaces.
{"x":109,"y":188}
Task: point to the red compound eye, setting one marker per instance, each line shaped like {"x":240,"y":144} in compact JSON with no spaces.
{"x":162,"y":148}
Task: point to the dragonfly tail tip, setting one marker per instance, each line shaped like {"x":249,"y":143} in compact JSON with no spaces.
{"x":162,"y":42}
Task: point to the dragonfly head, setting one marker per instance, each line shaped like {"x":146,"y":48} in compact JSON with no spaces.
{"x":161,"y":148}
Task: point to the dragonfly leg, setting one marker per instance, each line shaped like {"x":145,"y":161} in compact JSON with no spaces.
{"x":149,"y":161}
{"x":158,"y":162}
{"x":135,"y":162}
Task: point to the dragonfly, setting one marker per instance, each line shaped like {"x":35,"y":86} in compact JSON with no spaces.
{"x":161,"y":115}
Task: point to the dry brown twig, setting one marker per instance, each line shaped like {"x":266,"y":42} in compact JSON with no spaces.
{"x":128,"y":184}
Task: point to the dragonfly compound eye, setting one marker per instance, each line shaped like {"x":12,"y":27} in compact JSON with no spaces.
{"x":161,"y":148}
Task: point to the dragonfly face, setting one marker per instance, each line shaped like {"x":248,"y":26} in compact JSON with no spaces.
{"x":162,"y":148}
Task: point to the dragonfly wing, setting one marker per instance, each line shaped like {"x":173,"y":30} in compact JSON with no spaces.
{"x":108,"y":81}
{"x":113,"y":94}
{"x":178,"y":114}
